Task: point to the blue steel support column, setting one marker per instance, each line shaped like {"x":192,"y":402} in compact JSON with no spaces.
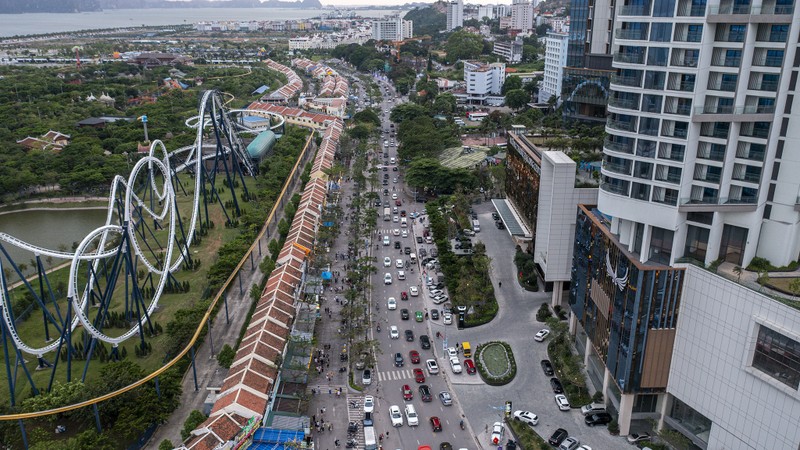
{"x":158,"y":387}
{"x":97,"y":418}
{"x":194,"y":370}
{"x":225,"y":300}
{"x":241,"y":288}
{"x":210,"y":337}
{"x":24,"y":434}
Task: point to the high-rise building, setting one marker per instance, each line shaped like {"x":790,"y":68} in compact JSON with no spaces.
{"x":392,"y":28}
{"x":510,"y":50}
{"x":555,"y":58}
{"x":485,"y":11}
{"x":585,"y":85}
{"x":522,"y":15}
{"x":455,"y":14}
{"x":698,"y":170}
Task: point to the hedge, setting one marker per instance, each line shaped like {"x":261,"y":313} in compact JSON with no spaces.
{"x":484,"y":373}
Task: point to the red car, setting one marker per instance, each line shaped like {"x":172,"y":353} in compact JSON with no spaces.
{"x":404,"y":295}
{"x":408,"y":394}
{"x":419,"y":375}
{"x":436,"y":424}
{"x":413,"y":355}
{"x":470,"y":366}
{"x":397,"y":203}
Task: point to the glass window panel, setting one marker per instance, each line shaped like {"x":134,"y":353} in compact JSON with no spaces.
{"x":778,"y":356}
{"x":664,"y":8}
{"x":657,"y":56}
{"x":661,"y":32}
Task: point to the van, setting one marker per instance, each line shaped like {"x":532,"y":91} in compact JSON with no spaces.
{"x":411,"y":416}
{"x":385,"y":240}
{"x":476,"y":226}
{"x":413,"y":258}
{"x":403,"y":222}
{"x":467,"y":349}
{"x":370,"y":442}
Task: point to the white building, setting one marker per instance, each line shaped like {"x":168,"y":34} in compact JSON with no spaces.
{"x":485,"y":11}
{"x":501,"y":10}
{"x":510,"y":50}
{"x":484,"y":82}
{"x":555,"y":58}
{"x":455,"y":14}
{"x":522,"y":15}
{"x":392,"y":29}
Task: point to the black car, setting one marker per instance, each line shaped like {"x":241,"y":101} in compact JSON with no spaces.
{"x":407,"y":250}
{"x":398,"y":359}
{"x":385,"y":169}
{"x":394,"y":169}
{"x":397,"y":244}
{"x":377,"y":203}
{"x":511,"y":445}
{"x":424,"y":341}
{"x":419,"y":239}
{"x":386,"y":176}
{"x":367,"y":420}
{"x":434,"y":252}
{"x":598,"y":419}
{"x":425,"y":392}
{"x":422,"y":252}
{"x":409,"y":335}
{"x":556,"y":385}
{"x":435,"y":314}
{"x":558,"y":436}
{"x":445,"y":446}
{"x":547,"y":367}
{"x":385,"y":182}
{"x":500,"y":225}
{"x":495,"y":216}
{"x":404,"y":314}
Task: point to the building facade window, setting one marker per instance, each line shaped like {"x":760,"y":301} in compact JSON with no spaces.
{"x":696,"y":242}
{"x":777,"y":356}
{"x":661,"y":245}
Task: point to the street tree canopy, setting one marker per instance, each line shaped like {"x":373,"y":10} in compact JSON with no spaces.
{"x":511,"y":83}
{"x":517,"y":98}
{"x":407,"y":111}
{"x":463,"y":45}
{"x":429,"y":174}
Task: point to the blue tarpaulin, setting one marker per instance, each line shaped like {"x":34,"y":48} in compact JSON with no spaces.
{"x":274,"y":439}
{"x":327,"y":224}
{"x":327,"y":275}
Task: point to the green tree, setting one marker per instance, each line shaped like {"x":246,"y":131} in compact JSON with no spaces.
{"x":166,"y":444}
{"x":195,"y":418}
{"x":225,"y":356}
{"x":517,"y":99}
{"x":463,"y":45}
{"x":511,"y":84}
{"x":407,"y":111}
{"x":445,"y":104}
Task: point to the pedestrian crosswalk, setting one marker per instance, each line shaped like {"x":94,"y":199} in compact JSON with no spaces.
{"x":355,"y":413}
{"x":399,"y":374}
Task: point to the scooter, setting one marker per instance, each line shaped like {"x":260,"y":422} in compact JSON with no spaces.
{"x":463,"y":426}
{"x":379,"y":328}
{"x":352,"y":443}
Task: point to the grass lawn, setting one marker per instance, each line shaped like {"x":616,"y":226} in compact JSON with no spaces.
{"x":31,"y":331}
{"x":495,"y":360}
{"x":453,"y":158}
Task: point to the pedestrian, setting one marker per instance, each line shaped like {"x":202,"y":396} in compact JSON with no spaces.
{"x":330,"y":391}
{"x":336,"y":442}
{"x":330,"y":426}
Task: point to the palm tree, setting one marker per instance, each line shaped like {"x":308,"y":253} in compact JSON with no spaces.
{"x":738,"y":271}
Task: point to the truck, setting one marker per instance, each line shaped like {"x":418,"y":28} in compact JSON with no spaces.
{"x":387,"y":214}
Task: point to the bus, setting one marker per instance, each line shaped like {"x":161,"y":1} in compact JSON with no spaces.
{"x":477,"y":116}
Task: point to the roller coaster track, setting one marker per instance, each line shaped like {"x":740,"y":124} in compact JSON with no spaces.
{"x":124,"y":234}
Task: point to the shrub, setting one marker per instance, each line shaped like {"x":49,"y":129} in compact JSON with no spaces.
{"x":195,"y":418}
{"x":225,"y":356}
{"x":544,"y":313}
{"x":166,"y":444}
{"x":613,"y":427}
{"x":526,"y":437}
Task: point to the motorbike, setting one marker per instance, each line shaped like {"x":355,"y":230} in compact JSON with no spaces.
{"x":352,"y":443}
{"x":462,"y":425}
{"x":379,"y":328}
{"x":342,"y":369}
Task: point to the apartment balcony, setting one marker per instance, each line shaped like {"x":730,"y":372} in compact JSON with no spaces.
{"x":624,"y":103}
{"x":670,"y":200}
{"x":626,"y":81}
{"x":748,"y":177}
{"x":724,"y":86}
{"x":729,"y":12}
{"x":682,"y":110}
{"x":726,"y":113}
{"x":673,"y":178}
{"x":686,"y":8}
{"x":631,"y":35}
{"x":621,"y":125}
{"x":720,"y":204}
{"x":708,"y":177}
{"x":634,"y":10}
{"x":629,"y":58}
{"x":621,"y":169}
{"x":615,"y":188}
{"x":618,"y":147}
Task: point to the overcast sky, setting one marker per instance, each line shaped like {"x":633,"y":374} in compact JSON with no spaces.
{"x":395,"y":2}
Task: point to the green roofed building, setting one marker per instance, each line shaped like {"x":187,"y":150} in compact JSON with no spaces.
{"x":261,"y":145}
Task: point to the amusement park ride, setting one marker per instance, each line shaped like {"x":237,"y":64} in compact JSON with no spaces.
{"x":126,"y":264}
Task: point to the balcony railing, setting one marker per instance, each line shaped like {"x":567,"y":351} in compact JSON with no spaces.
{"x":747,"y":200}
{"x":623,"y":103}
{"x":622,"y":169}
{"x":683,"y":110}
{"x":729,"y":9}
{"x":726,"y":86}
{"x":634,"y":10}
{"x":711,"y":155}
{"x":709,"y":177}
{"x":670,"y":178}
{"x":677,"y":133}
{"x":671,"y":200}
{"x":620,"y":125}
{"x":626,"y":81}
{"x":618,"y":147}
{"x":629,"y":58}
{"x":614,"y":188}
{"x":748,"y":177}
{"x":688,"y":9}
{"x":634,"y":35}
{"x":730,"y":109}
{"x":684,"y":62}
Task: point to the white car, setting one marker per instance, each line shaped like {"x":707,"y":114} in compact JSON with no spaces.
{"x":541,"y":335}
{"x":401,"y":275}
{"x":435,"y":292}
{"x":387,"y":262}
{"x":387,"y":279}
{"x":394,"y":196}
{"x":369,"y":404}
{"x":455,"y":364}
{"x":395,"y":219}
{"x":411,"y":416}
{"x":498,"y":429}
{"x":569,"y":443}
{"x":396,"y":416}
{"x":585,"y":447}
{"x":394,"y":333}
{"x":396,"y":232}
{"x":391,"y":303}
{"x":398,"y":263}
{"x":526,"y":417}
{"x":404,"y":233}
{"x":413,"y":291}
{"x":433,"y":368}
{"x":447,"y":318}
{"x":562,"y":402}
{"x":452,"y":352}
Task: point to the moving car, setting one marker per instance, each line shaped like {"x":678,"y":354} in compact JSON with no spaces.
{"x":433,"y":368}
{"x":413,"y":356}
{"x":556,"y":385}
{"x":601,"y":418}
{"x":413,"y":291}
{"x":445,"y":398}
{"x":404,"y":314}
{"x":634,"y":438}
{"x":470,"y":366}
{"x":562,"y":402}
{"x":436,"y":424}
{"x":411,"y":416}
{"x":398,"y":359}
{"x":557,"y":437}
{"x":425,"y":393}
{"x":547,"y":367}
{"x":401,"y":275}
{"x":498,"y":429}
{"x":391,"y":303}
{"x":408,"y":394}
{"x":387,"y":262}
{"x":366,"y":377}
{"x":396,"y":416}
{"x":387,"y":279}
{"x":404,"y":295}
{"x":398,"y":263}
{"x":424,"y":341}
{"x":409,"y":335}
{"x":394,"y":333}
{"x":526,"y":417}
{"x":418,"y":316}
{"x":419,"y":375}
{"x":369,"y":404}
{"x":541,"y":335}
{"x":367,"y":421}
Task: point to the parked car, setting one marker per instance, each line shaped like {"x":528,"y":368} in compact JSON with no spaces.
{"x":369,"y":404}
{"x":398,"y":359}
{"x":547,"y":367}
{"x":593,"y":408}
{"x":367,"y":421}
{"x":425,"y":393}
{"x":601,"y":418}
{"x":556,"y":385}
{"x":526,"y":417}
{"x":447,"y":318}
{"x":434,"y":314}
{"x":635,"y":438}
{"x":569,"y":443}
{"x":557,"y":437}
{"x":366,"y":377}
{"x":445,"y":398}
{"x":541,"y":335}
{"x":498,"y":430}
{"x":455,"y":365}
{"x":424,"y":341}
{"x":470,"y":366}
{"x":562,"y":402}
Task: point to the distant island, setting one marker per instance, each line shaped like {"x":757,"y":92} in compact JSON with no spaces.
{"x":77,"y":6}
